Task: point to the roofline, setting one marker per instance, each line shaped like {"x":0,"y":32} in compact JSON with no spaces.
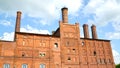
{"x":95,"y":39}
{"x":47,"y":35}
{"x":6,"y":41}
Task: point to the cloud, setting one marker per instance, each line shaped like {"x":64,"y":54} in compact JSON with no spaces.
{"x":5,"y":22}
{"x":113,"y":35}
{"x":7,"y":36}
{"x":45,"y":10}
{"x":116,"y":56}
{"x":103,"y":11}
{"x":30,"y":29}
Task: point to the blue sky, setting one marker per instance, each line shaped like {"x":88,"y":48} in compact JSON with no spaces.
{"x":40,"y":16}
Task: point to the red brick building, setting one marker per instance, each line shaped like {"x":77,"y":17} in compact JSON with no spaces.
{"x":63,"y":49}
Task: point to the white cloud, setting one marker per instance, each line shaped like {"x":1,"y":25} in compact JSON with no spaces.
{"x":103,"y":11}
{"x":7,"y":36}
{"x":5,"y":22}
{"x":47,"y":10}
{"x":116,"y":56}
{"x":34,"y":30}
{"x":113,"y":35}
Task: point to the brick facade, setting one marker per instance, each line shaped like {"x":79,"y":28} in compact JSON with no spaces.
{"x":63,"y":49}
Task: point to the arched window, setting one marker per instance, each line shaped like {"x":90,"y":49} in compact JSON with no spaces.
{"x":82,"y":43}
{"x":56,"y":45}
{"x":24,"y":66}
{"x":6,"y":66}
{"x":42,"y":65}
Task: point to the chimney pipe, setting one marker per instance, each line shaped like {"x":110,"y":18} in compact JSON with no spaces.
{"x":86,"y":31}
{"x":64,"y":15}
{"x":94,"y":32}
{"x":18,"y":19}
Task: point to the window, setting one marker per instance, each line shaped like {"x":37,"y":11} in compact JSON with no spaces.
{"x":82,"y":43}
{"x":94,"y":53}
{"x":42,"y":65}
{"x":42,"y":54}
{"x":56,"y":45}
{"x":23,"y":42}
{"x":99,"y":60}
{"x":6,"y":66}
{"x":23,"y":54}
{"x":73,"y":50}
{"x":67,"y":43}
{"x":24,"y":66}
{"x":69,"y":58}
{"x":108,"y":61}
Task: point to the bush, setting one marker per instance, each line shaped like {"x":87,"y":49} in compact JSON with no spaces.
{"x":118,"y":66}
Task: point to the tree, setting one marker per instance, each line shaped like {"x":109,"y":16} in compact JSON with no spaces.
{"x":118,"y":66}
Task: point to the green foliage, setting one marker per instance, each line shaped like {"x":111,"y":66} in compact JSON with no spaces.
{"x":118,"y":66}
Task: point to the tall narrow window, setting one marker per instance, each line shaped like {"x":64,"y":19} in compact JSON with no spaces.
{"x":23,"y":42}
{"x":24,"y":66}
{"x":6,"y":66}
{"x":67,"y":43}
{"x":94,"y":53}
{"x":82,"y":43}
{"x":109,"y":61}
{"x":42,"y":65}
{"x":56,"y":45}
{"x":99,"y":60}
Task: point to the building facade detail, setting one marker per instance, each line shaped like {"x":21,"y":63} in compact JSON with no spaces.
{"x":63,"y":49}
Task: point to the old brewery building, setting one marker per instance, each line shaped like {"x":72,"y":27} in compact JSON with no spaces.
{"x":62,"y":49}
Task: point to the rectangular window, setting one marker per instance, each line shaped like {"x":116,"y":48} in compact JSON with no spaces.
{"x":24,"y":66}
{"x":6,"y":66}
{"x":42,"y":65}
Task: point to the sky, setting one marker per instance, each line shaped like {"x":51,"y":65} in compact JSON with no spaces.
{"x":43,"y":16}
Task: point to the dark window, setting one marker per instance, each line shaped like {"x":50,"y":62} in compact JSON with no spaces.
{"x":94,"y":53}
{"x":73,"y":50}
{"x":69,"y":58}
{"x":23,"y":54}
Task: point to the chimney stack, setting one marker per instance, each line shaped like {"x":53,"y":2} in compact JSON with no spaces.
{"x":18,"y":19}
{"x":94,"y":33}
{"x":64,"y":15}
{"x":86,"y":31}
